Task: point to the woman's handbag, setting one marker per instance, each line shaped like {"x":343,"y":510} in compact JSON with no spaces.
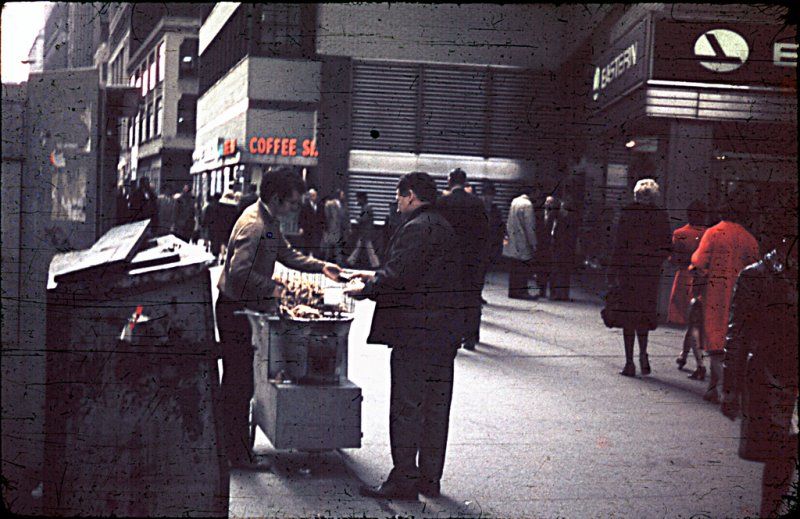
{"x":611,"y":311}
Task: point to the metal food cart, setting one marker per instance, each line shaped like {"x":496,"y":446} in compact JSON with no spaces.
{"x":303,"y":399}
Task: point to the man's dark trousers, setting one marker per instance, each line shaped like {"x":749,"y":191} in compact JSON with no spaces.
{"x":419,"y":411}
{"x":519,"y":275}
{"x":237,"y":378}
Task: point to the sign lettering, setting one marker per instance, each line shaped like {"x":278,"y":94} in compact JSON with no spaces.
{"x":282,"y":146}
{"x":785,"y":55}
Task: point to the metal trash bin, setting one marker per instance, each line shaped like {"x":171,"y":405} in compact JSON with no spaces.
{"x":131,"y":386}
{"x":303,"y":399}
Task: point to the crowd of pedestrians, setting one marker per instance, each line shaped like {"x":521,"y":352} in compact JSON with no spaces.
{"x":738,"y":307}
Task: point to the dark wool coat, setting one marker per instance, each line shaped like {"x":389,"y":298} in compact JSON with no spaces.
{"x":761,"y":358}
{"x":414,"y":288}
{"x":643,"y":243}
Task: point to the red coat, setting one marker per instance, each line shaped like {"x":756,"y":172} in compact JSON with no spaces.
{"x":724,"y":251}
{"x":685,"y":241}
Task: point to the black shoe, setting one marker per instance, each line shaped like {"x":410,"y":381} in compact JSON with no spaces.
{"x":644,"y":363}
{"x":429,"y":489}
{"x":389,"y":490}
{"x":711,"y":396}
{"x":629,"y":370}
{"x":681,"y":362}
{"x":698,"y":374}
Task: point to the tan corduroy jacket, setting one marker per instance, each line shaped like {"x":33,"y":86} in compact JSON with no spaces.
{"x":255,"y":244}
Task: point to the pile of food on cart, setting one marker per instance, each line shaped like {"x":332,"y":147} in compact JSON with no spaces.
{"x":312,"y":297}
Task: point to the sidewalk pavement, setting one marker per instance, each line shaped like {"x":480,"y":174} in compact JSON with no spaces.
{"x":541,"y":425}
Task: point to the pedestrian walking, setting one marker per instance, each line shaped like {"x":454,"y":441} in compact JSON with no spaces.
{"x":467,"y":216}
{"x":365,"y":232}
{"x":685,"y":241}
{"x":414,"y":317}
{"x":256,"y":243}
{"x":144,"y":203}
{"x":564,"y":239}
{"x":183,"y":219}
{"x":123,"y":203}
{"x":248,"y":198}
{"x":312,"y":222}
{"x":760,"y":372}
{"x":214,"y":225}
{"x":497,"y":229}
{"x":520,"y":248}
{"x":390,"y":226}
{"x":642,"y":245}
{"x":544,"y":247}
{"x":337,"y":226}
{"x":724,"y":250}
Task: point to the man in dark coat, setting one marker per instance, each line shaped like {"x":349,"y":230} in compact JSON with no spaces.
{"x":414,"y":317}
{"x":312,"y":221}
{"x":469,"y":220}
{"x":183,"y":219}
{"x":497,"y":228}
{"x":249,"y":197}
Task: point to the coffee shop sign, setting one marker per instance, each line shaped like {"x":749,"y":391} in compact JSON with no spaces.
{"x":623,"y":62}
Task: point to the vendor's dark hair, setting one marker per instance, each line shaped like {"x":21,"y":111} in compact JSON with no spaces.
{"x":696,"y":212}
{"x":421,"y":184}
{"x":282,"y":182}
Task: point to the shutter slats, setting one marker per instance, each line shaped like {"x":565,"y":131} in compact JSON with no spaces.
{"x":473,"y":110}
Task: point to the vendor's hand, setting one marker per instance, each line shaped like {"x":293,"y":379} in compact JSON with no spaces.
{"x":332,"y":271}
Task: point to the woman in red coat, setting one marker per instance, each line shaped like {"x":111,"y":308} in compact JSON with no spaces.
{"x":685,"y":241}
{"x":724,"y":251}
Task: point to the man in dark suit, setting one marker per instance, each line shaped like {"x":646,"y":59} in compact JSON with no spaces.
{"x":312,"y":221}
{"x":469,"y":220}
{"x":255,"y":244}
{"x":414,"y":317}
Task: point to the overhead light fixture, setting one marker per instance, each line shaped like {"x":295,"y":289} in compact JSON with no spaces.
{"x":187,"y":59}
{"x":721,"y":157}
{"x":630,"y":144}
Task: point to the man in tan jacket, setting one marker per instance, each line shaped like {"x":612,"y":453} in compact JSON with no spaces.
{"x":255,"y":244}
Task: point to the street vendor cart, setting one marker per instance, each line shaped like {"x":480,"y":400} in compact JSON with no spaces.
{"x":303,"y":399}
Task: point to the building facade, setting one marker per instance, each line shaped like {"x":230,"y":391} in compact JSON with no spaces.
{"x":702,"y":98}
{"x":353,"y":96}
{"x":154,"y":48}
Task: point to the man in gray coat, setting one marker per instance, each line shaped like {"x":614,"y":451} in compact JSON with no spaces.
{"x":415,"y":316}
{"x":521,"y":247}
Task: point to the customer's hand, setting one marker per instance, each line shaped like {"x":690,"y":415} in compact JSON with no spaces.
{"x":363,"y":276}
{"x":355,"y":288}
{"x":332,"y":271}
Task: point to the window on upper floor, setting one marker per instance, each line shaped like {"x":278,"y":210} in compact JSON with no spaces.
{"x":162,"y":61}
{"x":153,"y":74}
{"x":188,"y":58}
{"x":158,"y":122}
{"x":187,"y":110}
{"x":286,"y":30}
